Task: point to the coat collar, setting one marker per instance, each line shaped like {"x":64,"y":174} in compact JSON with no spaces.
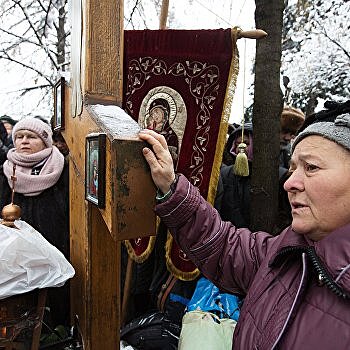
{"x":290,"y":242}
{"x":333,"y":251}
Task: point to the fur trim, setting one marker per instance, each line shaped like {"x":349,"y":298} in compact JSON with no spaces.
{"x":292,"y":119}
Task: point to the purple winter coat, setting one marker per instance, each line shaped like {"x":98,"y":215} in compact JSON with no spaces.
{"x":288,"y":305}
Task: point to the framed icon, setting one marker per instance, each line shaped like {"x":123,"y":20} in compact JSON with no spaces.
{"x":95,"y":169}
{"x":58,"y":123}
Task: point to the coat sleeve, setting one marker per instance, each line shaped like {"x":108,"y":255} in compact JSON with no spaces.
{"x":219,"y":194}
{"x":228,"y":256}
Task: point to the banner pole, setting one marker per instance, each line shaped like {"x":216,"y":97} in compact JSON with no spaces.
{"x":164,"y":14}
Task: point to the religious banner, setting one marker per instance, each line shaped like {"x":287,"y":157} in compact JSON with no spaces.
{"x":180,"y":83}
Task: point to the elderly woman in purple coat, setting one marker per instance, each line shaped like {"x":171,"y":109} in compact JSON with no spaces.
{"x":296,"y":284}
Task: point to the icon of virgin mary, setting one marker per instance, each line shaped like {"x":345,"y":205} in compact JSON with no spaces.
{"x":158,"y":120}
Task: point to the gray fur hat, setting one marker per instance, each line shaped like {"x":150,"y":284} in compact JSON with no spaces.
{"x":337,"y":131}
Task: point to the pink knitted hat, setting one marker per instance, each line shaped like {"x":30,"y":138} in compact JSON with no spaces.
{"x":42,"y":129}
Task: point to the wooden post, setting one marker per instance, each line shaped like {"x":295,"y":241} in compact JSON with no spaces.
{"x":164,"y":14}
{"x":103,"y":49}
{"x":96,"y":233}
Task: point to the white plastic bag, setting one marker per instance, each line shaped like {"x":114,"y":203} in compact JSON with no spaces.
{"x":205,"y":331}
{"x":28,"y":261}
{"x":125,"y":346}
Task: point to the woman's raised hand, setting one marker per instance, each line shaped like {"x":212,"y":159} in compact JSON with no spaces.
{"x":159,"y":159}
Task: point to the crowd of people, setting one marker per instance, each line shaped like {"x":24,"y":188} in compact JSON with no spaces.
{"x":233,"y":193}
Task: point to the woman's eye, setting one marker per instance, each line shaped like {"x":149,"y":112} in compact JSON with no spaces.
{"x":310,"y":167}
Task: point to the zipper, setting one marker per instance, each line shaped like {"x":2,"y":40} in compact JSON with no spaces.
{"x":323,"y":276}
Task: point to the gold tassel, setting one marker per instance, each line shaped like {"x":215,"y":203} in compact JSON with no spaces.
{"x":144,"y":255}
{"x":241,"y":166}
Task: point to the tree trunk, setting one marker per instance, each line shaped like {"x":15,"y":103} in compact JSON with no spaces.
{"x":267,"y":108}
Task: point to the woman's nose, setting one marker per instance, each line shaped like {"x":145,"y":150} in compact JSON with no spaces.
{"x":295,"y":182}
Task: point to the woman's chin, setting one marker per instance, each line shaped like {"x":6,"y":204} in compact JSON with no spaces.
{"x":300,"y":228}
{"x":314,"y":235}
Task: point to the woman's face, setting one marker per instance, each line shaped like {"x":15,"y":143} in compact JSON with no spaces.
{"x":238,"y":141}
{"x":28,"y":142}
{"x":8,"y":127}
{"x":319,"y":187}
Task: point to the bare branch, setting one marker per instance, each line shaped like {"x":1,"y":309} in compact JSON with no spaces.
{"x":7,"y":10}
{"x":47,"y":15}
{"x":133,"y":11}
{"x":25,"y":91}
{"x":8,"y":58}
{"x":53,"y":61}
{"x":21,"y":38}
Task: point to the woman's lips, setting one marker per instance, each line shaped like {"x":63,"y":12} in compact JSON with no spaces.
{"x":298,"y":207}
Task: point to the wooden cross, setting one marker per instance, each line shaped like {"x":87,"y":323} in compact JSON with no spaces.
{"x":96,"y":233}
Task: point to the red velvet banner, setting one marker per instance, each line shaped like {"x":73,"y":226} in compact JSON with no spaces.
{"x":181,"y":83}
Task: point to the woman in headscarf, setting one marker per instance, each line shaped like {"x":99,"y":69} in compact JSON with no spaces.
{"x":42,"y":192}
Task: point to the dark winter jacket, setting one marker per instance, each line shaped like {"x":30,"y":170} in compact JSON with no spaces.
{"x":297,"y":291}
{"x":232,"y":199}
{"x":47,"y":212}
{"x":5,"y":144}
{"x":284,"y":157}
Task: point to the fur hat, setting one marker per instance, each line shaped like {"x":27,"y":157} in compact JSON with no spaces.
{"x":292,"y":119}
{"x":42,"y":129}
